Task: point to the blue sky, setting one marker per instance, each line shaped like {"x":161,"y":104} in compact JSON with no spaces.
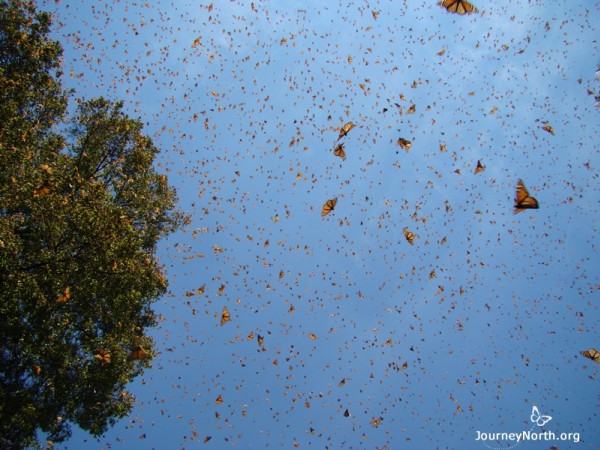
{"x":247,"y":120}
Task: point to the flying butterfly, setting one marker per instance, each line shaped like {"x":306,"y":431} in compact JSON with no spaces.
{"x":458,"y":6}
{"x":549,"y":129}
{"x":346,"y":129}
{"x":225,"y":316}
{"x":376,"y":421}
{"x":328,"y":206}
{"x":404,"y":143}
{"x":523,"y":200}
{"x":479,"y":168}
{"x":592,"y":354}
{"x":138,"y":353}
{"x":410,"y":237}
{"x":339,"y":151}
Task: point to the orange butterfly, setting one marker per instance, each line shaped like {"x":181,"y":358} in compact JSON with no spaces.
{"x":64,"y":296}
{"x":102,"y":355}
{"x":346,"y":129}
{"x":458,"y":6}
{"x":592,"y":354}
{"x":43,"y":190}
{"x":549,"y":129}
{"x":523,"y":200}
{"x":225,"y":316}
{"x":410,"y":237}
{"x":375,"y":422}
{"x":479,"y":168}
{"x":138,"y":353}
{"x":405,"y":144}
{"x":339,"y":151}
{"x":328,"y":206}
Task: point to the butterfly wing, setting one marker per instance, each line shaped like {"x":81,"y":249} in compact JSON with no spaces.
{"x":522,"y":192}
{"x":535,"y":414}
{"x":543,"y":420}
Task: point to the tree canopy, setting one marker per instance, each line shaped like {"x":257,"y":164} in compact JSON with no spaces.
{"x":81,"y":211}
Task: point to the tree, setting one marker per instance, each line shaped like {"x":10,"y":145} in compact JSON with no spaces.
{"x":81,"y":211}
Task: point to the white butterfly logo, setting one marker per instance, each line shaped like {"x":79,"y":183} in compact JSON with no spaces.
{"x":538,"y":419}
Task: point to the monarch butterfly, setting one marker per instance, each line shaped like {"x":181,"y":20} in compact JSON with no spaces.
{"x":225,"y":316}
{"x":479,"y":168}
{"x":219,"y":399}
{"x":44,"y":189}
{"x":375,"y":422}
{"x":138,"y":353}
{"x":312,"y":336}
{"x":592,"y":354}
{"x":346,"y":413}
{"x":46,"y":168}
{"x":523,"y":200}
{"x":64,"y":296}
{"x":412,"y":109}
{"x":260,"y":339}
{"x":102,"y":355}
{"x":328,"y":206}
{"x":346,"y":129}
{"x":549,"y":129}
{"x":458,"y":6}
{"x":410,"y":237}
{"x":405,"y":144}
{"x":339,"y":151}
